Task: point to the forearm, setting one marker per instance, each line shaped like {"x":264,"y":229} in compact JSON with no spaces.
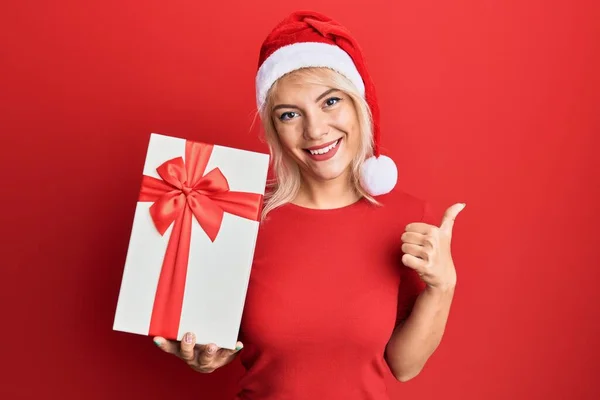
{"x":415,"y":340}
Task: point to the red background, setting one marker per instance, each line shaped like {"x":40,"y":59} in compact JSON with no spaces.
{"x":495,"y":103}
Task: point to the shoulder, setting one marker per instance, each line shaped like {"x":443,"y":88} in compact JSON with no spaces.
{"x":401,"y":201}
{"x":403,"y":204}
{"x":399,"y":195}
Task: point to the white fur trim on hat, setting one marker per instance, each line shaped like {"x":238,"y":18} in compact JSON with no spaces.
{"x":378,"y":175}
{"x":301,"y":55}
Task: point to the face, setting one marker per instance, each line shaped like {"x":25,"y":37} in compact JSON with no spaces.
{"x":317,"y":126}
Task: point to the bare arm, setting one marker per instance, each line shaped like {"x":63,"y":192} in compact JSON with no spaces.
{"x":427,"y":252}
{"x":415,"y":340}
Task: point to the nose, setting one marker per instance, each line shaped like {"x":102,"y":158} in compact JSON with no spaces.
{"x":315,"y":127}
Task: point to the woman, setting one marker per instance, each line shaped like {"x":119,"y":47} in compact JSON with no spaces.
{"x":350,"y":277}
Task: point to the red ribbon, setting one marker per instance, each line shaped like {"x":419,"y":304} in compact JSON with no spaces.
{"x":184,"y":191}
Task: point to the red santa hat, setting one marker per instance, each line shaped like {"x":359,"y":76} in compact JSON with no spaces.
{"x":309,"y":39}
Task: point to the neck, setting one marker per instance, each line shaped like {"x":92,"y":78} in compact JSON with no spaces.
{"x":329,"y":194}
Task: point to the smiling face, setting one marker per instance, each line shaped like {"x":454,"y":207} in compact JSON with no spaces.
{"x":317,"y":127}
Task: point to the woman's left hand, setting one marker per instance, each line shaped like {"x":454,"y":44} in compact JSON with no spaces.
{"x":427,"y":250}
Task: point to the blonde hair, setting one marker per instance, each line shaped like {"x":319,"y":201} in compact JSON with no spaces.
{"x":286,"y":184}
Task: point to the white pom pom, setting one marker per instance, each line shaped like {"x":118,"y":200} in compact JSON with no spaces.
{"x":378,"y":175}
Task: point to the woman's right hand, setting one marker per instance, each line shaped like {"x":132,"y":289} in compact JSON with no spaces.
{"x":201,"y":358}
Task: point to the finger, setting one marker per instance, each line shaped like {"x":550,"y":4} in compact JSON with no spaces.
{"x":415,"y":250}
{"x":186,"y":347}
{"x":207,"y":354}
{"x":450,"y":215}
{"x":238,"y":346}
{"x":414,"y":238}
{"x":227,"y":354}
{"x":168,"y":346}
{"x":420,"y":227}
{"x":415,"y":263}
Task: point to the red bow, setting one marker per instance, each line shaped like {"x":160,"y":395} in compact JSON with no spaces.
{"x":184,"y":191}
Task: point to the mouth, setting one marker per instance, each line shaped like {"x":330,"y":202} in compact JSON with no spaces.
{"x":325,"y":151}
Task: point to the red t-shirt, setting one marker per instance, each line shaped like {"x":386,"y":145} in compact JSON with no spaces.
{"x":326,"y":290}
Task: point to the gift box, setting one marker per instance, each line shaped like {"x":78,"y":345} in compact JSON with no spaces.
{"x":192,"y":241}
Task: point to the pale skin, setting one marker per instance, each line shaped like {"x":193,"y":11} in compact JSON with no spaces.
{"x":427,"y":251}
{"x":307,"y":115}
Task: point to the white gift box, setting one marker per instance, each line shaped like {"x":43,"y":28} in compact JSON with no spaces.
{"x":213,"y":196}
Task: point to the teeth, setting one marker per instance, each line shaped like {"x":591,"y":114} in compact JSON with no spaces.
{"x":324,"y":149}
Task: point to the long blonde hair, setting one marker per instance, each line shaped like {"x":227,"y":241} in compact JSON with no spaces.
{"x":286,"y":183}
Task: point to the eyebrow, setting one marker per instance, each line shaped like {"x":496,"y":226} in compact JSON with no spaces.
{"x":327,"y":92}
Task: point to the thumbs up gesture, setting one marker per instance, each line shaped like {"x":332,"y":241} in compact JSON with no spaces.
{"x":427,"y":250}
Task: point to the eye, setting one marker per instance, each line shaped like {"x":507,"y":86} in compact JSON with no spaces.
{"x":332,"y":101}
{"x":288,"y":115}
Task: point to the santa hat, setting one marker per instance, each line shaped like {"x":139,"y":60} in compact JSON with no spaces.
{"x":309,"y":39}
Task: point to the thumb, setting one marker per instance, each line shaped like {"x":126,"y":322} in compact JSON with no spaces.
{"x":187,"y":347}
{"x":450,"y":216}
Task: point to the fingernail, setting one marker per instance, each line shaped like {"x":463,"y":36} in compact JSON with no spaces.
{"x":238,"y":347}
{"x":188,"y":338}
{"x":157,"y":342}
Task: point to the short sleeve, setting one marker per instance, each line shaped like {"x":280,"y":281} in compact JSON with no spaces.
{"x":411,"y":284}
{"x":429,"y":215}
